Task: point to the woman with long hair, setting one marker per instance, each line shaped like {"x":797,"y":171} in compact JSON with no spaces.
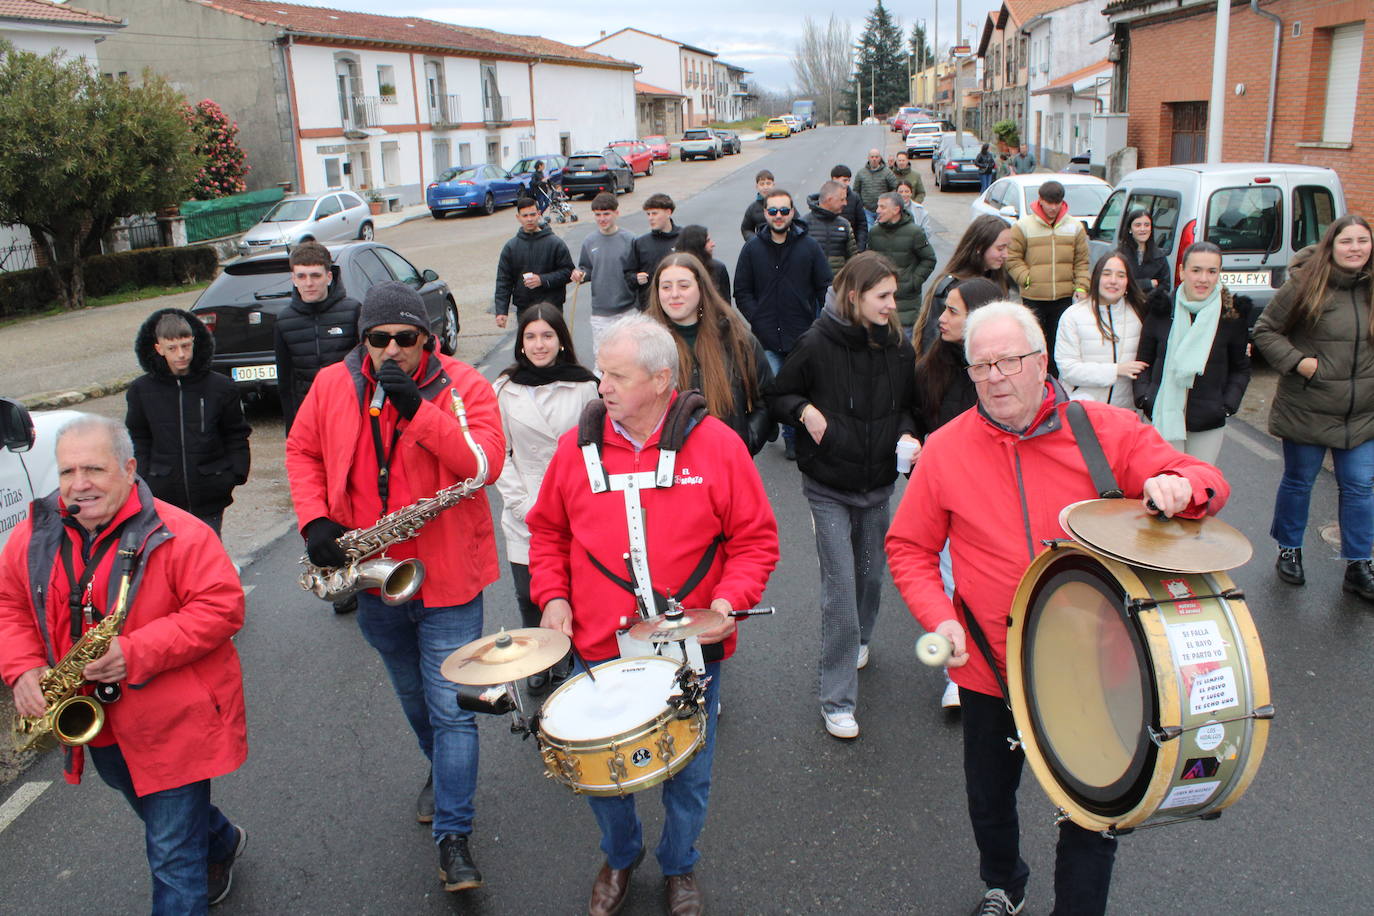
{"x":1098,"y":336}
{"x":696,"y":240}
{"x":981,"y":252}
{"x":1197,"y":353}
{"x":541,"y":396}
{"x":1149,"y":264}
{"x":717,"y":353}
{"x":1318,"y":333}
{"x":849,"y":387}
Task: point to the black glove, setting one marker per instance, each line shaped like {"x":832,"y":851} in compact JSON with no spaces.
{"x":400,"y":388}
{"x":322,"y":543}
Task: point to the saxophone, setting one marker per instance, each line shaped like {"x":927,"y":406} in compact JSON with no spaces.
{"x":70,"y":717}
{"x":397,"y":581}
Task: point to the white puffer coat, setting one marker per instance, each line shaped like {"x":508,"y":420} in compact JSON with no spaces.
{"x":1087,"y":361}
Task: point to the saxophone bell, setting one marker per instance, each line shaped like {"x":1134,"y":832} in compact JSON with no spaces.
{"x":77,"y":720}
{"x":396,"y":581}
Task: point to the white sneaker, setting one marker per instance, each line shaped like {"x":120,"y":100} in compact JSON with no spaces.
{"x":950,"y":698}
{"x":863,"y":657}
{"x":841,"y":724}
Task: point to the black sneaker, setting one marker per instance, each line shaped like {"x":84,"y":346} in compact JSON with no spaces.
{"x":456,"y":867}
{"x":1289,"y":566}
{"x":996,"y":903}
{"x":424,"y":803}
{"x":1359,"y":578}
{"x":220,"y":875}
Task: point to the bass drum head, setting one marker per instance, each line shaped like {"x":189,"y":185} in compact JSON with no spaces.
{"x":1088,"y":685}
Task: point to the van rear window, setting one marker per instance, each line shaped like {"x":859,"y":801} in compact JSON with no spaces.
{"x":1246,"y":219}
{"x":1314,"y":208}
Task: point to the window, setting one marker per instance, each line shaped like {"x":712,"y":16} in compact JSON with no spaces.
{"x":1246,"y":219}
{"x":333,"y":177}
{"x":367,"y":262}
{"x":1109,"y":220}
{"x":526,"y":147}
{"x":1342,"y":83}
{"x":386,"y":83}
{"x":391,"y":163}
{"x":465,"y":154}
{"x":442,"y":156}
{"x":1313,"y":210}
{"x":328,"y":207}
{"x":399,"y":266}
{"x":349,"y":201}
{"x":1163,"y":210}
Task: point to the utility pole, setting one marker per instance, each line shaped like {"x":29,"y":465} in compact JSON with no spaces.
{"x":1216,"y":107}
{"x":935,"y":46}
{"x":958,"y":71}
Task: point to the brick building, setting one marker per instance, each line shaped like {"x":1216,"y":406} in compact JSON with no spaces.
{"x":1325,"y":97}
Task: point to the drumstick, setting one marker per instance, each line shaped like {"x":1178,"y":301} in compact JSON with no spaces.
{"x":752,"y":612}
{"x":934,"y":649}
{"x":577,"y":657}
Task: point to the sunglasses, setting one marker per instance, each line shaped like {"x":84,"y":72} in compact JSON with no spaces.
{"x":779,"y":211}
{"x":381,"y":339}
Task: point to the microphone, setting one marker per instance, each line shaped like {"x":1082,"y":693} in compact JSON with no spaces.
{"x":379,"y":396}
{"x":73,"y":509}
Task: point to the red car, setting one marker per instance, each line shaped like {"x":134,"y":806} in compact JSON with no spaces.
{"x":662,"y":149}
{"x":637,"y":153}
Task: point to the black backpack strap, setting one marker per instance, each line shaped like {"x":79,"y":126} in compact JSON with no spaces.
{"x":692,"y":581}
{"x":1104,"y":481}
{"x":980,"y":640}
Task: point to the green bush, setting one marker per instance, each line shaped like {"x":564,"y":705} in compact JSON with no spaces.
{"x":27,"y":291}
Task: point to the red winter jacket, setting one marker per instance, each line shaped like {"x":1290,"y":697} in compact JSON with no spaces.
{"x":716,"y":491}
{"x":458,"y":547}
{"x":180,"y":718}
{"x":997,"y":495}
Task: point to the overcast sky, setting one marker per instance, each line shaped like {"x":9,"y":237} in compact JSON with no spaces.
{"x":757,"y":34}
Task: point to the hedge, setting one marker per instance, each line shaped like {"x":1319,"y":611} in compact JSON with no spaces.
{"x":25,"y":291}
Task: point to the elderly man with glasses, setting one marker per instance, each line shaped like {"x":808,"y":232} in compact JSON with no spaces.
{"x":377,"y":433}
{"x":993,"y":481}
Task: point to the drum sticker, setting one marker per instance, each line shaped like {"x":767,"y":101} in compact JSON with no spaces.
{"x":1200,"y":768}
{"x":1197,"y":642}
{"x":1213,"y":691}
{"x":641,"y":757}
{"x":1178,"y":588}
{"x":1192,"y":794}
{"x":1210,"y":736}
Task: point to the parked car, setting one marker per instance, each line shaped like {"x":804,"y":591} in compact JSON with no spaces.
{"x":28,"y":463}
{"x":1080,"y":164}
{"x":329,"y":216}
{"x":662,"y":149}
{"x":590,"y":172}
{"x":473,"y":187}
{"x":1259,"y":213}
{"x":948,"y":139}
{"x":637,"y":153}
{"x":904,"y":118}
{"x":957,"y":168}
{"x":923,"y":138}
{"x":729,"y":142}
{"x":1011,"y":197}
{"x":523,"y":171}
{"x":240,"y":307}
{"x":776,"y":127}
{"x":793,"y":122}
{"x":697,"y":143}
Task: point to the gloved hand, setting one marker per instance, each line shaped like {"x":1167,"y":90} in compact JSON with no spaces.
{"x":322,"y":543}
{"x":400,"y":388}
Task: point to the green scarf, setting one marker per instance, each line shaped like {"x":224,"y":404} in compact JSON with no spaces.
{"x":1185,"y":357}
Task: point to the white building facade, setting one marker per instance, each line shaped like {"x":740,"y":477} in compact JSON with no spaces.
{"x":1069,"y":79}
{"x":672,"y":65}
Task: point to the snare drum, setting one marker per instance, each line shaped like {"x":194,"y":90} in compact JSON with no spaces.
{"x":1141,"y":696}
{"x":619,"y":734}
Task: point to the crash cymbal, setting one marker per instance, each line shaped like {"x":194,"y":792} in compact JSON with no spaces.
{"x":1123,"y":528}
{"x":505,"y":656}
{"x":663,"y":628}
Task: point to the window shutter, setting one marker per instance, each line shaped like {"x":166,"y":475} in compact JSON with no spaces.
{"x":1342,"y":83}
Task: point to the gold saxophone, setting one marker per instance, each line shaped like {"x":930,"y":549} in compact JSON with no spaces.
{"x":70,"y":717}
{"x":397,"y":580}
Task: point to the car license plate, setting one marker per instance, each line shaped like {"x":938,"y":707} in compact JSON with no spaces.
{"x":968,"y":168}
{"x":581,"y":174}
{"x":1245,"y":278}
{"x":254,"y":373}
{"x":448,"y":200}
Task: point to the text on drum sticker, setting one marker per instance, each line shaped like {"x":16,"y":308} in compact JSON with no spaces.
{"x":1178,"y":588}
{"x":1196,"y":642}
{"x":1213,"y":691}
{"x":1210,"y":736}
{"x":1192,"y":794}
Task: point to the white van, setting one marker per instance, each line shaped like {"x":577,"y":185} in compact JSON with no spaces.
{"x":1258,"y":213}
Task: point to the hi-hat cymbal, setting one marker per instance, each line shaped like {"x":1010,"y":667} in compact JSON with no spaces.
{"x":663,"y":628}
{"x":1123,"y":528}
{"x":505,"y":656}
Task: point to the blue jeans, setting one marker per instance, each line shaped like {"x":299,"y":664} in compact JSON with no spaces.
{"x":984,"y":180}
{"x":1355,"y":480}
{"x":413,"y":641}
{"x":775,"y":360}
{"x":183,"y":833}
{"x":684,"y":806}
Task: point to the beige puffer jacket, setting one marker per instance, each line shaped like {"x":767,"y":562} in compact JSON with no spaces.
{"x":1048,"y":262}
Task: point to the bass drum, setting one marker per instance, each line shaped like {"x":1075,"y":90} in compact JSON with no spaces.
{"x":1140,"y":696}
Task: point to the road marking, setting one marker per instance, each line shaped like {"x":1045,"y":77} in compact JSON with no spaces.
{"x":24,"y":796}
{"x":1245,"y":441}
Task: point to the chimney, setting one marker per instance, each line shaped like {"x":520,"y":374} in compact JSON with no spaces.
{"x":603,"y":33}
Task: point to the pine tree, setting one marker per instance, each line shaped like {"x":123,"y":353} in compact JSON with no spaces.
{"x":918,"y":46}
{"x":880,"y":65}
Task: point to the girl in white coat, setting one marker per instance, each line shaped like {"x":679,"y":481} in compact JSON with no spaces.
{"x":1098,"y":336}
{"x":541,"y":396}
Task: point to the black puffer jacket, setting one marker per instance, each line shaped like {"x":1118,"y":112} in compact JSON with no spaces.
{"x":309,"y":336}
{"x":862,"y":380}
{"x":779,"y":289}
{"x":959,"y":395}
{"x":190,"y":438}
{"x":539,"y":252}
{"x":645,"y":253}
{"x":1217,"y":392}
{"x":1148,"y":270}
{"x":833,"y":233}
{"x":754,"y":217}
{"x":753,"y":423}
{"x":854,"y":212}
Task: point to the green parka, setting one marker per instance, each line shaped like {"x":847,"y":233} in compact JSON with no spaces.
{"x":906,"y":246}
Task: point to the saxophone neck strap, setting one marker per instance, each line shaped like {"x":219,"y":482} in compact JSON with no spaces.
{"x":81,"y":599}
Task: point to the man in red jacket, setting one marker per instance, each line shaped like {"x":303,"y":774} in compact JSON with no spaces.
{"x":347,"y":468}
{"x":993,"y":481}
{"x":178,"y":720}
{"x":709,"y":540}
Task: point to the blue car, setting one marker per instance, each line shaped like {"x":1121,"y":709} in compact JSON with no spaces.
{"x":472,"y":187}
{"x":553,"y":168}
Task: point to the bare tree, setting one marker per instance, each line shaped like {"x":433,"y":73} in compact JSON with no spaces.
{"x":822,"y":62}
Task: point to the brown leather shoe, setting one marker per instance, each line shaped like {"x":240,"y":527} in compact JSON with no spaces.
{"x":611,"y":888}
{"x":682,"y":895}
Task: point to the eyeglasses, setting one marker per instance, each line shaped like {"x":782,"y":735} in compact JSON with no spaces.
{"x":779,"y":211}
{"x":404,"y":339}
{"x":1007,"y":365}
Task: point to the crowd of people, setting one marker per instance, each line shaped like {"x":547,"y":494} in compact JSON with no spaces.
{"x":836,"y":328}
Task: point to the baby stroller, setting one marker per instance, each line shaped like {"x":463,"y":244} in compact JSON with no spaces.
{"x":559,"y":206}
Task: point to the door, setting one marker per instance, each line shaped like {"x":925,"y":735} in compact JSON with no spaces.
{"x":494,"y":150}
{"x":1188,"y":142}
{"x":328,"y":223}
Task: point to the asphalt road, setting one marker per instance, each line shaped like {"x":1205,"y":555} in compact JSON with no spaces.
{"x":800,"y":822}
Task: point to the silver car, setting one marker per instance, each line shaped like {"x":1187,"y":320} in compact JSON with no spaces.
{"x":330,"y":216}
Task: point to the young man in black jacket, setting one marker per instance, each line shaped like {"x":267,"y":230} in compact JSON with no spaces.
{"x":652,"y":247}
{"x":535,"y":266}
{"x":190,"y":438}
{"x":853,"y":206}
{"x":753,"y":214}
{"x":318,"y":328}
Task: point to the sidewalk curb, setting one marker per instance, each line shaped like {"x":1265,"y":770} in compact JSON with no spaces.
{"x":56,"y":400}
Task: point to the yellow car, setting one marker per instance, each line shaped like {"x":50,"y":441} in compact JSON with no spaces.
{"x":776,"y":127}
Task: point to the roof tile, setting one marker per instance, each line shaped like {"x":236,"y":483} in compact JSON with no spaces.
{"x":47,"y":11}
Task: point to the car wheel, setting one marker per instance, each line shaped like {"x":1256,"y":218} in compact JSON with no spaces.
{"x":650,"y":170}
{"x":366,"y":233}
{"x":714,"y":155}
{"x":437,"y":214}
{"x":489,"y":204}
{"x":448,"y":341}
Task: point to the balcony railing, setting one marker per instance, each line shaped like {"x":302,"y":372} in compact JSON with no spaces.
{"x":496,"y":109}
{"x":362,"y":111}
{"x":447,"y":111}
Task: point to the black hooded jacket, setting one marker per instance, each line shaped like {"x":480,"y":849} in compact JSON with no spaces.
{"x":645,"y":253}
{"x":309,"y":336}
{"x":190,"y":437}
{"x":779,"y":288}
{"x":539,"y":252}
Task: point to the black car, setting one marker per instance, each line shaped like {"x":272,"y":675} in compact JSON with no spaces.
{"x":957,"y":168}
{"x":590,"y":173}
{"x":240,"y":307}
{"x":729,"y":141}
